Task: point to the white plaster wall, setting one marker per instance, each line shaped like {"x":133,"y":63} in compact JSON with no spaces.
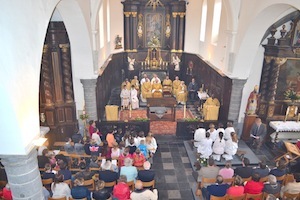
{"x":192,"y":26}
{"x":116,"y":24}
{"x":22,"y":39}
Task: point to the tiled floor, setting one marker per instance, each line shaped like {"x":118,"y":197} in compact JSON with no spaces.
{"x":173,"y":170}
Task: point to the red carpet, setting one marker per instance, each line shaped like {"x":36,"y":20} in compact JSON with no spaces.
{"x":156,"y":127}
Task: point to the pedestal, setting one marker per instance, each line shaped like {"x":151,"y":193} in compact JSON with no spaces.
{"x":248,"y":122}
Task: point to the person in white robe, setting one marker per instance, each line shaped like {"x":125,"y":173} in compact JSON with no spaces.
{"x":213,"y":132}
{"x":219,"y":146}
{"x":125,"y":97}
{"x":144,"y":79}
{"x":228,"y":131}
{"x":134,"y":98}
{"x":199,"y":135}
{"x":205,"y":147}
{"x":231,"y":147}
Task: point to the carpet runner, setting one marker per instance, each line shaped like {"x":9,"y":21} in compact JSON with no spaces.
{"x":156,"y":127}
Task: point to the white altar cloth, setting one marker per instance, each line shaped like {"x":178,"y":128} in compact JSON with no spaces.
{"x":285,"y":131}
{"x":281,"y":126}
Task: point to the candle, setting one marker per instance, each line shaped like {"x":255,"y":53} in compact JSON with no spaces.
{"x":286,"y":114}
{"x":130,"y":109}
{"x":298,"y":118}
{"x":142,"y":63}
{"x":184,"y":111}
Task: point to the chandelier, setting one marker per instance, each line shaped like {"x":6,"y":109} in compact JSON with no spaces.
{"x":154,"y":4}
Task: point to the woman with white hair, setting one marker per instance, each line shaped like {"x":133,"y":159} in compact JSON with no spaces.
{"x":272,"y":186}
{"x":128,"y":170}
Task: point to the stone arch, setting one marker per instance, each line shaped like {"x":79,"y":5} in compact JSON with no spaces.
{"x":251,"y":39}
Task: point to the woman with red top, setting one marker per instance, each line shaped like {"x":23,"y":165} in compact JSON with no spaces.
{"x":124,"y":155}
{"x":254,"y":186}
{"x":121,"y":190}
{"x":138,"y":158}
{"x":237,"y":189}
{"x":93,"y":128}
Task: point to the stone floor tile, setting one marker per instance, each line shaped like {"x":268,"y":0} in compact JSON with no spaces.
{"x":166,"y":155}
{"x":174,"y":194}
{"x":185,"y":159}
{"x":170,"y":179}
{"x":168,"y":166}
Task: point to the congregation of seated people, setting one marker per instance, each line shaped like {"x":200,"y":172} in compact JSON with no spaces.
{"x":113,"y":161}
{"x":132,"y":91}
{"x":247,"y":182}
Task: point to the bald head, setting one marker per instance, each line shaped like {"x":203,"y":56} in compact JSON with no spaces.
{"x":138,"y":185}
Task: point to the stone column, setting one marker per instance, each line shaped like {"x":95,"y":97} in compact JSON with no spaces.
{"x":181,"y":31}
{"x":89,"y":90}
{"x":127,"y":31}
{"x":23,"y":176}
{"x":235,"y":99}
{"x":173,"y":32}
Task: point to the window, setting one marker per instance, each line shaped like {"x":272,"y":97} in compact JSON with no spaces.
{"x":203,"y":21}
{"x":101,"y":26}
{"x":216,"y":21}
{"x":108,"y":22}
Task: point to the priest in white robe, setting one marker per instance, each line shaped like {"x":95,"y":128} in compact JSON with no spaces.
{"x":125,"y":97}
{"x":134,"y":98}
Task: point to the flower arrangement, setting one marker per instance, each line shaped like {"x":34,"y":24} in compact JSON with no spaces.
{"x":141,"y":119}
{"x":291,"y":94}
{"x":191,"y":119}
{"x":84,"y":117}
{"x":202,"y":161}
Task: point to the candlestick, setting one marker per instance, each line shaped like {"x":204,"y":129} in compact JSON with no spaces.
{"x":130,"y":109}
{"x":286,"y":114}
{"x":184,"y":111}
{"x":298,"y":118}
{"x":142,"y":63}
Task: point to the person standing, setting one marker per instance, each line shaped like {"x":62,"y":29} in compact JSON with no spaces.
{"x":134,"y":98}
{"x":257,"y":133}
{"x":125,"y":97}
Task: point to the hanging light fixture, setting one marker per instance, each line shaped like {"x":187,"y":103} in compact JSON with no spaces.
{"x":154,"y":4}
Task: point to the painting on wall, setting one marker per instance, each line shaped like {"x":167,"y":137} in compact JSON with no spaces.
{"x":154,"y":29}
{"x":289,"y":78}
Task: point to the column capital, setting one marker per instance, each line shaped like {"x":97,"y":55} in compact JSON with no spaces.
{"x":87,"y":83}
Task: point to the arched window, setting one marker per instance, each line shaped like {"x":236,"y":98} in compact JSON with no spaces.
{"x":203,"y":21}
{"x":101,"y":26}
{"x":216,"y":22}
{"x":108,"y":21}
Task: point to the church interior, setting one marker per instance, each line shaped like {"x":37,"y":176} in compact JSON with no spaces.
{"x":177,"y":75}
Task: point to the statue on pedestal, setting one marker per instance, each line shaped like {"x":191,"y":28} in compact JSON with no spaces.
{"x":252,"y":102}
{"x":131,"y":63}
{"x":176,"y":61}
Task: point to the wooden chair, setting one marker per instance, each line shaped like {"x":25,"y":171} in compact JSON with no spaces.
{"x":254,"y":196}
{"x":58,"y":198}
{"x":263,"y":179}
{"x":212,"y":197}
{"x":131,"y":185}
{"x":280,"y":178}
{"x":242,"y":197}
{"x":90,"y":184}
{"x":47,"y":183}
{"x":229,"y":181}
{"x":149,"y":184}
{"x":265,"y":195}
{"x":204,"y":181}
{"x":110,"y":184}
{"x":247,"y":179}
{"x":3,"y":183}
{"x":288,"y":178}
{"x":69,"y":182}
{"x":287,"y":195}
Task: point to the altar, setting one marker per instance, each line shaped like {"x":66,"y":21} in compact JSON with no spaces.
{"x":161,"y":108}
{"x":285,"y":131}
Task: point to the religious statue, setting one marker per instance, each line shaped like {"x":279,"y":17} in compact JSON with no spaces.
{"x":176,"y":62}
{"x":189,"y":70}
{"x":252,"y":102}
{"x":118,"y":42}
{"x":130,"y":63}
